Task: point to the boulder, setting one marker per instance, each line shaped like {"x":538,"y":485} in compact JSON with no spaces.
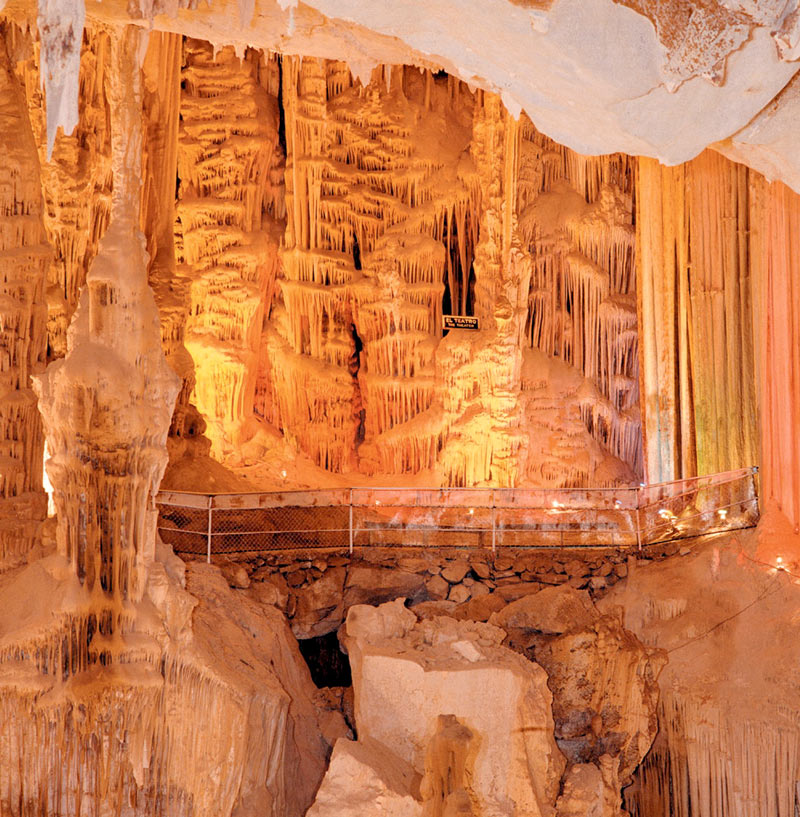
{"x":481,"y":607}
{"x":366,"y":779}
{"x":591,"y":791}
{"x":437,"y":588}
{"x":431,"y":609}
{"x":516,"y":590}
{"x":320,"y":606}
{"x":370,"y":584}
{"x":269,"y":593}
{"x":553,"y":610}
{"x":235,"y":575}
{"x":459,"y":593}
{"x":605,"y":693}
{"x":408,"y":674}
{"x":455,"y":571}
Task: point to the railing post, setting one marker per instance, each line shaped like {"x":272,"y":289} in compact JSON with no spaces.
{"x":208,"y":543}
{"x":494,"y":528}
{"x":638,"y":519}
{"x":351,"y":521}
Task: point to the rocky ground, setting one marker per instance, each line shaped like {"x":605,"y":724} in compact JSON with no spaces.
{"x":316,"y":589}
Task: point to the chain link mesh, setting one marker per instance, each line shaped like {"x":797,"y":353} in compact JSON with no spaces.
{"x":458,"y":518}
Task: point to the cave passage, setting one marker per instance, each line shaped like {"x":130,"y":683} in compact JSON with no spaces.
{"x":328,"y":665}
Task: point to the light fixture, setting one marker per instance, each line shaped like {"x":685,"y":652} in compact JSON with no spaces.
{"x":472,"y":511}
{"x":283,"y":474}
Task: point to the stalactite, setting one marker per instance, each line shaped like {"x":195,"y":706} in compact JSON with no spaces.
{"x":576,"y":217}
{"x":24,"y":261}
{"x":76,"y":177}
{"x":371,"y":234}
{"x":228,"y":152}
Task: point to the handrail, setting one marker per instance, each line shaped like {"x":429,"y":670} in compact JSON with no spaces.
{"x":626,"y":516}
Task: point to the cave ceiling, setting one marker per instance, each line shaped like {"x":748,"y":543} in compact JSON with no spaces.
{"x":664,"y":79}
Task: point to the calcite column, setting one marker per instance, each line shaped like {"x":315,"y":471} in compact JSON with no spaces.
{"x":107,"y":406}
{"x":490,"y":447}
{"x":24,"y":259}
{"x":775,"y":253}
{"x":697,"y":355}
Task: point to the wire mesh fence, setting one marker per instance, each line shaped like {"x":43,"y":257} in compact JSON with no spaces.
{"x":490,"y":518}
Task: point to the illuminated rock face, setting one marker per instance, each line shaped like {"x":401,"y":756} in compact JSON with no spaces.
{"x":126,"y":685}
{"x":230,"y":194}
{"x":330,"y":207}
{"x":24,"y":260}
{"x":412,"y":214}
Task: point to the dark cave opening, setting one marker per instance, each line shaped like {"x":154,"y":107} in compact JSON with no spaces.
{"x":328,"y":665}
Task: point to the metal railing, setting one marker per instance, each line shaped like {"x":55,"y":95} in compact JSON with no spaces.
{"x":490,"y":518}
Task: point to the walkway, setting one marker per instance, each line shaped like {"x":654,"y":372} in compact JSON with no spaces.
{"x":486,"y":518}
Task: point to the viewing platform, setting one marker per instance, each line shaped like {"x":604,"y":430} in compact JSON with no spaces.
{"x":469,"y":518}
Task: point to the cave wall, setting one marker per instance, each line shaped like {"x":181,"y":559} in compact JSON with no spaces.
{"x":718,"y":272}
{"x":698,"y":278}
{"x":312,"y":300}
{"x":24,"y":263}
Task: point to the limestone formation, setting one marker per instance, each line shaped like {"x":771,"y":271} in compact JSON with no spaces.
{"x":118,"y":674}
{"x":591,"y":791}
{"x":723,"y":619}
{"x":421,"y":690}
{"x":367,"y":778}
{"x":604,"y":693}
{"x":24,"y":261}
{"x":231,"y":235}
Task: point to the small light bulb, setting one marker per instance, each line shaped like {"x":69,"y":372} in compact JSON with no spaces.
{"x":283,"y":474}
{"x":471,"y":511}
{"x":617,"y":504}
{"x":377,"y":502}
{"x":779,"y":562}
{"x":722,"y":513}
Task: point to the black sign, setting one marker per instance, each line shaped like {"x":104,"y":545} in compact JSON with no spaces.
{"x":459,"y":322}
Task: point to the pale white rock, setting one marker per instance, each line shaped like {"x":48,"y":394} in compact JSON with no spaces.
{"x":591,"y":791}
{"x":620,"y":84}
{"x":367,"y":779}
{"x":60,"y":23}
{"x":768,"y":143}
{"x":408,"y":676}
